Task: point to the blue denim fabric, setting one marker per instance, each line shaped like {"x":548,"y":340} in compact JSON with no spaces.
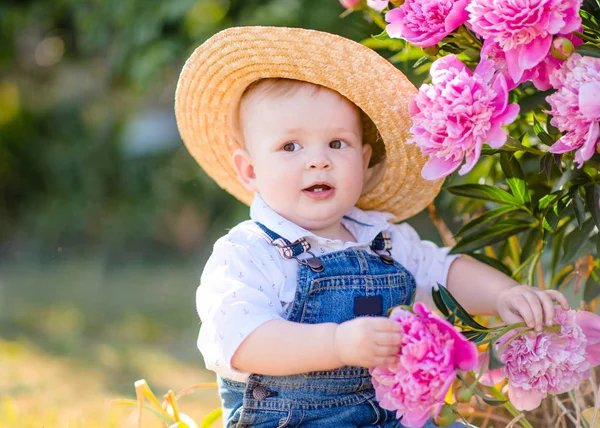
{"x":340,"y":398}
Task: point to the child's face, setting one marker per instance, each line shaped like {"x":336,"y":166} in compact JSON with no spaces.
{"x":304,"y":155}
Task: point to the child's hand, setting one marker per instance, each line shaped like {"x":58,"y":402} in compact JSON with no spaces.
{"x":529,"y":304}
{"x":368,"y":341}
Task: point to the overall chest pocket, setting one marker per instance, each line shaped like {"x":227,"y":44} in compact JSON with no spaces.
{"x":335,"y":299}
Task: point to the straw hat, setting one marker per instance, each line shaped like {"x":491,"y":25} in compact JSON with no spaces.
{"x":217,"y":73}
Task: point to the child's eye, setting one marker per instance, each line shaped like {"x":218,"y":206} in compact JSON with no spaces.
{"x":337,"y":144}
{"x":291,"y":147}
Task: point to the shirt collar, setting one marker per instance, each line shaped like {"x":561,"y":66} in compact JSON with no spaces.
{"x":364,"y":225}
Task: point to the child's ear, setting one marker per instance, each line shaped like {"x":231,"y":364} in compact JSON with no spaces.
{"x":244,"y":167}
{"x":367,"y":152}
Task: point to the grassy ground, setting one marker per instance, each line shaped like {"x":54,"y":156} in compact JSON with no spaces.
{"x":77,"y":334}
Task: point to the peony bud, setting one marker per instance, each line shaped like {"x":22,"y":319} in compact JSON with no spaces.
{"x":464,"y":396}
{"x":431,"y":51}
{"x":446,"y":417}
{"x":562,"y":48}
{"x":349,"y":4}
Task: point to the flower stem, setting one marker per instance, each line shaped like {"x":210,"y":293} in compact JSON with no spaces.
{"x":509,"y":406}
{"x":585,"y":37}
{"x":376,"y":17}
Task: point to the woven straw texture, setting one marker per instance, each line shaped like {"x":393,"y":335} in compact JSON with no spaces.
{"x":216,"y":74}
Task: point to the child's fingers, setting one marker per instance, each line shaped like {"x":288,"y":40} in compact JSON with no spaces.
{"x":383,"y":324}
{"x":386,"y":351}
{"x":388,"y":339}
{"x":548,"y":305}
{"x":384,"y":361}
{"x":536,"y":311}
{"x":558,"y":297}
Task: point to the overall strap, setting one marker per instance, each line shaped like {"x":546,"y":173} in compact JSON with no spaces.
{"x":383,"y":243}
{"x":291,"y":250}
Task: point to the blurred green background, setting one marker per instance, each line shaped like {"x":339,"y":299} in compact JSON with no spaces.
{"x":105,"y":220}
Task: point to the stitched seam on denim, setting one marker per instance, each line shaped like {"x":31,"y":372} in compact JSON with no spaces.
{"x":283,"y":422}
{"x":376,"y":287}
{"x":299,"y":303}
{"x":378,"y":416}
{"x":281,"y":404}
{"x":301,"y":419}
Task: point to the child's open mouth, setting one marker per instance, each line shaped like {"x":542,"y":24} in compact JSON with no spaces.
{"x":319,"y":191}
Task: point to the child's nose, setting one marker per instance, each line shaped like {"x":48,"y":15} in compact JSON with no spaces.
{"x":319,"y":162}
{"x":318,"y":158}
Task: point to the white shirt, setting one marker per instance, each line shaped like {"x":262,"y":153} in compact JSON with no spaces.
{"x":246,"y":282}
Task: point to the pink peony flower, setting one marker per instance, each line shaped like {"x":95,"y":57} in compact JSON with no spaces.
{"x":539,"y":75}
{"x":349,"y":4}
{"x":523,"y":28}
{"x":431,"y":352}
{"x":425,"y":22}
{"x":550,"y":363}
{"x":458,"y":112}
{"x":575,"y":106}
{"x":377,"y":5}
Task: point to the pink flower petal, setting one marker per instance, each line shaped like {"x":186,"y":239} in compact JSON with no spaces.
{"x":436,"y":168}
{"x":457,"y":16}
{"x":589,"y":100}
{"x":447,"y":62}
{"x":509,"y":115}
{"x":415,"y":418}
{"x":524,"y":400}
{"x":533,"y":53}
{"x":496,"y":137}
{"x":512,"y":64}
{"x":590,"y":324}
{"x":589,"y":146}
{"x":560,"y":147}
{"x":492,"y":377}
{"x":471,"y":159}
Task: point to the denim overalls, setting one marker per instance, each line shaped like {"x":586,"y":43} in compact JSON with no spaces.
{"x":336,"y":287}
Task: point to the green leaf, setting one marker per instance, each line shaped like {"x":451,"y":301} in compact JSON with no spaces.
{"x":557,"y":242}
{"x":496,"y":264}
{"x":420,"y":61}
{"x":578,"y":207}
{"x":485,"y":192}
{"x":592,"y":287}
{"x":547,"y":200}
{"x":439,"y":303}
{"x":530,"y":244}
{"x":546,"y":163}
{"x":455,"y":307}
{"x":592,"y":200}
{"x":500,"y":231}
{"x":474,"y":336}
{"x":511,"y":145}
{"x":484,"y":220}
{"x":514,"y":177}
{"x":494,"y":362}
{"x":212,"y":417}
{"x":575,"y":239}
{"x":541,"y":133}
{"x":381,"y":36}
{"x":532,"y":102}
{"x":588,"y":50}
{"x":489,"y":400}
{"x":452,"y":48}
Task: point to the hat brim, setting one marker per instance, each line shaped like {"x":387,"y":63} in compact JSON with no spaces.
{"x":217,"y":73}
